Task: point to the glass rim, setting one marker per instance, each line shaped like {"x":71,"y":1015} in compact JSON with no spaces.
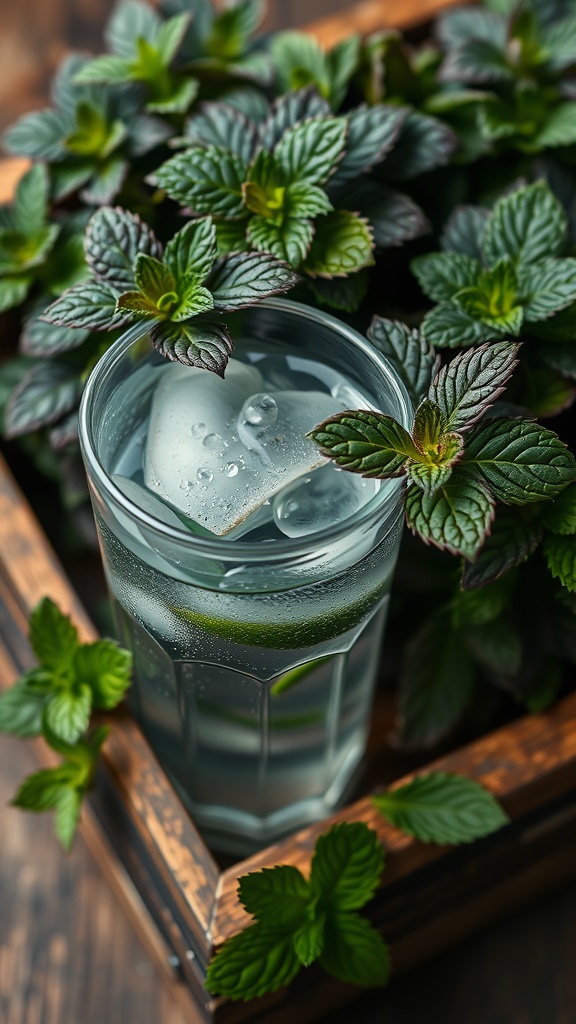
{"x":221,"y":546}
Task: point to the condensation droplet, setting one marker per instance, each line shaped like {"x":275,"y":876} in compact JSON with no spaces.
{"x":198,"y":429}
{"x":261,"y":411}
{"x":204,"y":474}
{"x":213,"y":442}
{"x":231,"y":469}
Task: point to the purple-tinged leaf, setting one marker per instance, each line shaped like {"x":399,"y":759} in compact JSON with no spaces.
{"x":442,"y":274}
{"x":217,"y":124}
{"x":90,"y":304}
{"x":471,"y":382}
{"x":512,"y":539}
{"x":463,"y":231}
{"x":311,"y":150}
{"x":369,"y":443}
{"x":372,"y":131}
{"x":205,"y":344}
{"x":411,"y":355}
{"x":44,"y":394}
{"x":207,"y":180}
{"x":456,"y":517}
{"x":288,"y":110}
{"x":244,"y":278}
{"x":114,"y":238}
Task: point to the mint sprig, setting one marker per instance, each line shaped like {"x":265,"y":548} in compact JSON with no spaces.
{"x":56,"y":700}
{"x":299,"y":921}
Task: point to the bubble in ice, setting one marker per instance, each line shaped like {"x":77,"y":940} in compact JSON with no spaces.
{"x":261,"y":410}
{"x":320,"y":500}
{"x":204,"y":475}
{"x":213,"y":442}
{"x":198,"y":429}
{"x":231,"y":469}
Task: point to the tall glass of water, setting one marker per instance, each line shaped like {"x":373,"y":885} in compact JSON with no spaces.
{"x":249,"y":575}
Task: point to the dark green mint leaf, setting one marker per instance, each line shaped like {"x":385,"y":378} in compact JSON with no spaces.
{"x":290,"y":109}
{"x":184,"y":92}
{"x":289,"y":242}
{"x":449,"y":326}
{"x":546,"y":392}
{"x":442,"y":274}
{"x":340,"y":292}
{"x":20,"y":252}
{"x":424,"y":142}
{"x":45,"y":393}
{"x":342,"y":244}
{"x":559,"y":515}
{"x":171,"y":35}
{"x":256,"y":961}
{"x":68,"y":713}
{"x":231,"y":236}
{"x":207,"y":180}
{"x":470,"y":608}
{"x":38,"y":135}
{"x":105,"y":70}
{"x":496,"y":645}
{"x":309,"y":940}
{"x":306,"y":200}
{"x":525,"y":226}
{"x":463,"y":231}
{"x":311,"y":150}
{"x":394,"y":218}
{"x":560,"y":555}
{"x":31,"y":202}
{"x":106,"y":182}
{"x":436,"y":683}
{"x":220,"y":125}
{"x":131,"y":20}
{"x":137,"y":304}
{"x":411,"y":355}
{"x":278,"y":897}
{"x":42,"y":791}
{"x":152,"y":277}
{"x":441,"y":808}
{"x":521,"y":461}
{"x":206,"y":344}
{"x":559,"y":128}
{"x":370,"y":443}
{"x":21,"y":706}
{"x":65,"y":432}
{"x":106,"y":669}
{"x":342,"y":61}
{"x":477,"y":62}
{"x":13,"y":290}
{"x":354,"y":951}
{"x":471,"y":382}
{"x":372,"y":131}
{"x":68,"y":815}
{"x":90,"y":304}
{"x":245,"y":277}
{"x":346,"y":867}
{"x":456,"y":517}
{"x":299,"y":61}
{"x":511,"y":541}
{"x":546,"y":287}
{"x":114,"y":238}
{"x":52,"y":636}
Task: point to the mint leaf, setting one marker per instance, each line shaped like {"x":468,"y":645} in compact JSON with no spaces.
{"x":546,"y":287}
{"x":471,"y":382}
{"x":429,"y":425}
{"x":289,"y":242}
{"x":309,"y":940}
{"x":441,"y":808}
{"x":442,"y":274}
{"x":482,"y":607}
{"x":130,"y":20}
{"x":245,"y":277}
{"x":511,"y":541}
{"x":340,"y":292}
{"x":424,"y":143}
{"x":300,"y":61}
{"x":310,"y":150}
{"x":220,"y":125}
{"x":152,"y":277}
{"x":342,"y":244}
{"x":288,"y":110}
{"x":560,"y":555}
{"x":456,"y":517}
{"x":463,"y":231}
{"x":43,"y":790}
{"x":436,"y":683}
{"x":256,"y":961}
{"x":354,"y":952}
{"x":527,"y":225}
{"x":278,"y":897}
{"x":106,"y":669}
{"x":31,"y":202}
{"x":38,"y":135}
{"x":207,"y":180}
{"x":428,"y":475}
{"x":346,"y":867}
{"x":449,"y":326}
{"x":170,"y":36}
{"x":496,"y":645}
{"x":141,"y":306}
{"x":192,"y":250}
{"x":306,"y":200}
{"x":52,"y":636}
{"x":494,"y":299}
{"x":114,"y":238}
{"x":105,"y":70}
{"x":559,"y":515}
{"x":68,"y":713}
{"x":68,"y":815}
{"x":13,"y":291}
{"x":370,"y":443}
{"x":90,"y":304}
{"x":393,"y":217}
{"x":521,"y":461}
{"x":203,"y":343}
{"x":21,"y":706}
{"x":39,"y":338}
{"x":412,"y":357}
{"x":195,"y":299}
{"x":372,"y":131}
{"x":45,"y":393}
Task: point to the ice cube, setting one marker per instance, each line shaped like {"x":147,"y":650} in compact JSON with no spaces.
{"x":218,"y":449}
{"x":323,"y":499}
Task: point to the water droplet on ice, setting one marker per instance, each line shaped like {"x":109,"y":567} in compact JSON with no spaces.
{"x":231,"y":469}
{"x":205,"y":475}
{"x":213,"y":442}
{"x":198,"y":430}
{"x":261,"y":411}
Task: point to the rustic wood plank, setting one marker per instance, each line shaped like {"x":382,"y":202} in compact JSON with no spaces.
{"x":373,"y":15}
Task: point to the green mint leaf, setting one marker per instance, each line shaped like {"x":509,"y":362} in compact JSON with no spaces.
{"x":441,"y":808}
{"x":521,"y":461}
{"x":559,"y":515}
{"x":471,"y":382}
{"x":114,"y":238}
{"x":511,"y":541}
{"x":45,"y":393}
{"x":428,"y":475}
{"x":306,"y":200}
{"x":484,"y":606}
{"x":494,"y":299}
{"x":525,"y":226}
{"x":68,"y":815}
{"x":68,"y":713}
{"x":232,"y":27}
{"x":278,"y":897}
{"x":183,"y":93}
{"x":192,"y":250}
{"x":231,"y":236}
{"x":342,"y":62}
{"x":105,"y":70}
{"x":372,"y":131}
{"x":171,"y":35}
{"x":21,"y":706}
{"x":442,"y":274}
{"x":354,"y":951}
{"x":138,"y":304}
{"x":410,"y":354}
{"x":220,"y":125}
{"x":152,"y":277}
{"x":436,"y":683}
{"x":299,"y":61}
{"x":346,"y":867}
{"x":546,"y":287}
{"x":38,"y":135}
{"x":20,"y":252}
{"x":243,"y":278}
{"x":340,"y":292}
{"x":31,"y":202}
{"x":457,"y":26}
{"x":43,"y":790}
{"x":207,"y":180}
{"x":476,"y":62}
{"x":53,"y":637}
{"x":394,"y":218}
{"x":206,"y":344}
{"x":370,"y":443}
{"x":429,"y":425}
{"x":449,"y":326}
{"x":309,"y":940}
{"x":424,"y":143}
{"x":288,"y":110}
{"x":106,"y":182}
{"x":342,"y":244}
{"x":131,"y":20}
{"x":13,"y":291}
{"x":311,"y":150}
{"x":256,"y":961}
{"x":496,"y":645}
{"x":194,"y":300}
{"x":463,"y":231}
{"x":558,"y":129}
{"x":90,"y":305}
{"x":289,"y":242}
{"x":106,"y":669}
{"x":456,"y":517}
{"x":560,"y":555}
{"x":546,"y":392}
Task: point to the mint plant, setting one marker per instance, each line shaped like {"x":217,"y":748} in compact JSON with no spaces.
{"x":56,"y":700}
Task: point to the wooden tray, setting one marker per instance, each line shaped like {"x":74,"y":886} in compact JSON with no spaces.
{"x":181,"y":902}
